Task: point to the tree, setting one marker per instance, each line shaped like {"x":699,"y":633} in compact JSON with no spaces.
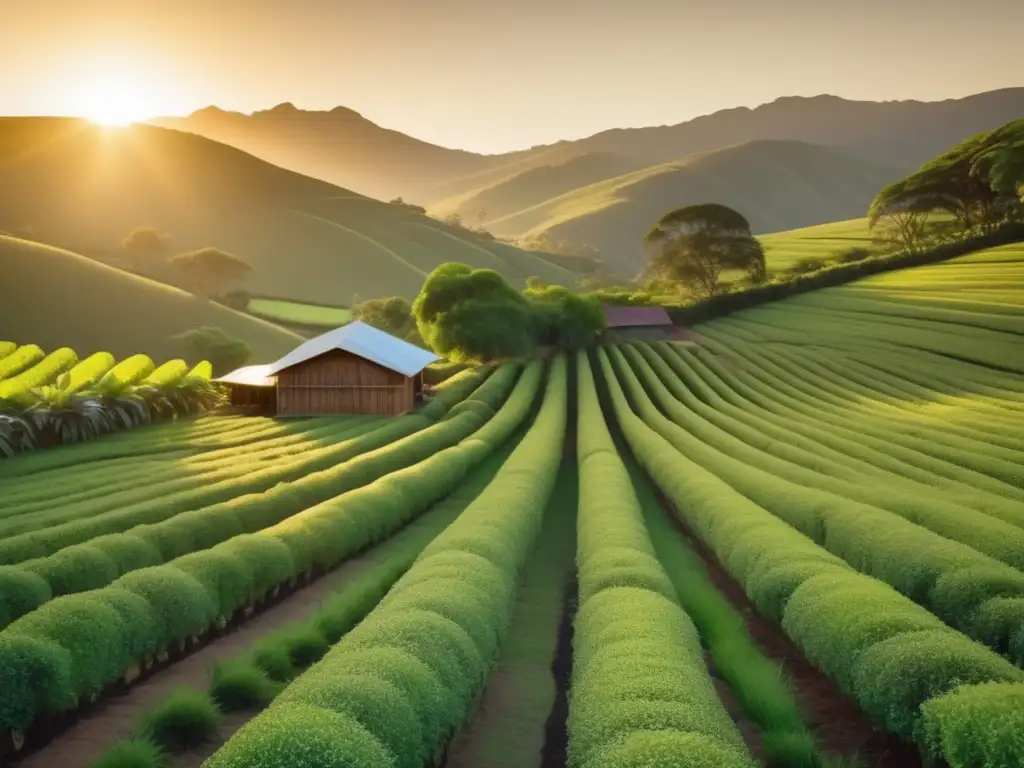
{"x":473,"y":314}
{"x":694,"y":245}
{"x":906,"y":227}
{"x":209,"y":271}
{"x":565,"y":319}
{"x":392,"y":315}
{"x":224,"y":351}
{"x":145,"y":247}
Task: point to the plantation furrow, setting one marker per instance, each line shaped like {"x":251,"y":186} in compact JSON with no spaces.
{"x":991,"y":536}
{"x":848,"y":395}
{"x":98,"y":562}
{"x":786,"y":388}
{"x":971,"y":591}
{"x":639,"y":684}
{"x":983,"y":436}
{"x":54,"y":667}
{"x":961,"y":486}
{"x":508,"y":728}
{"x":330,"y":606}
{"x":186,"y":474}
{"x":885,"y":651}
{"x":397,"y":687}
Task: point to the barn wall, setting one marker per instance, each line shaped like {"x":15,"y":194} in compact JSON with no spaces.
{"x":338,"y":382}
{"x":247,"y":396}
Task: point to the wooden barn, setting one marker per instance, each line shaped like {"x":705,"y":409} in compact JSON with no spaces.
{"x":637,"y":324}
{"x":352,"y":369}
{"x":251,"y":388}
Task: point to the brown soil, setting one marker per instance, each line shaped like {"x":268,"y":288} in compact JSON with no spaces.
{"x":841,"y":727}
{"x":113,"y":718}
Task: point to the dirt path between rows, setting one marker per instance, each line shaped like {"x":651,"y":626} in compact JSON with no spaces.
{"x":113,"y":719}
{"x":840,"y":725}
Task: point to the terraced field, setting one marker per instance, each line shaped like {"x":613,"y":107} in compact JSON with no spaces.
{"x":797,"y":542}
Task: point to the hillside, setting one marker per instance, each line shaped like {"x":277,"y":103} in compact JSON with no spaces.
{"x":55,"y":298}
{"x":85,"y":188}
{"x":347,"y":149}
{"x":777,"y":185}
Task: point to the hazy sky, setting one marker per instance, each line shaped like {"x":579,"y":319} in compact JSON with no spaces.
{"x":492,"y":76}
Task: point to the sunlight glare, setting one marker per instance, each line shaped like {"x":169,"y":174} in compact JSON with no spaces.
{"x":113,"y":103}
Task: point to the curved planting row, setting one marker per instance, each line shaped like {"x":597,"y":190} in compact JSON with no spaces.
{"x":20,"y":359}
{"x":43,"y":372}
{"x":886,"y":652}
{"x":72,"y":647}
{"x":640,"y":691}
{"x":971,"y":591}
{"x":99,"y":561}
{"x":398,"y":686}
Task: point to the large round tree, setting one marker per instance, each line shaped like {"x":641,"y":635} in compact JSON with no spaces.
{"x":696,"y":244}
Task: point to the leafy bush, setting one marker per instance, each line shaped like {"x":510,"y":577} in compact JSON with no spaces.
{"x":242,"y":685}
{"x":182,"y":721}
{"x":976,"y":725}
{"x":133,"y":753}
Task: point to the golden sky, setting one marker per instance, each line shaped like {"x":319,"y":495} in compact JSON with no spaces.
{"x":492,"y":76}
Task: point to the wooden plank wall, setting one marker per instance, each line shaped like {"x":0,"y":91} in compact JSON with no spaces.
{"x":338,"y":382}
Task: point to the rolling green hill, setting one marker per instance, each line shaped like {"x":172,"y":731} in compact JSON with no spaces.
{"x":777,"y":185}
{"x":55,"y":298}
{"x":84,"y":188}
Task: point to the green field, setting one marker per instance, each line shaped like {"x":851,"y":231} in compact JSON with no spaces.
{"x":816,"y":502}
{"x":280,"y":310}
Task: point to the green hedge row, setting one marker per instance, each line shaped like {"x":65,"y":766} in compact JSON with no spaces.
{"x":312,"y":469}
{"x":971,"y":591}
{"x":775,"y":398}
{"x":72,"y":646}
{"x":639,"y":684}
{"x":54,"y":489}
{"x":398,"y":686}
{"x":886,"y":652}
{"x":919,"y":505}
{"x":833,"y":453}
{"x":99,"y":561}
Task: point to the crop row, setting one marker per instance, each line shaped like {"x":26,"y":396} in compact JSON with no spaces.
{"x":99,"y":561}
{"x":73,"y":646}
{"x":885,"y":651}
{"x":969,"y":590}
{"x":398,"y":686}
{"x":640,"y":690}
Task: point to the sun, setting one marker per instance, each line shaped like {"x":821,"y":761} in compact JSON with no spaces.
{"x":113,"y":103}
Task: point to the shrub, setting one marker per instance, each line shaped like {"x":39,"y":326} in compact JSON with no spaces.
{"x":133,"y":753}
{"x":976,"y":725}
{"x":37,"y":678}
{"x":182,"y":721}
{"x":241,"y":685}
{"x":21,"y":591}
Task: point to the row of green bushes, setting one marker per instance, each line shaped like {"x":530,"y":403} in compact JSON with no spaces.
{"x":639,"y":684}
{"x":310,"y":474}
{"x":250,"y":680}
{"x":838,"y":274}
{"x":73,"y":646}
{"x":774,"y":451}
{"x":777,"y":392}
{"x":975,"y":593}
{"x":886,"y":652}
{"x":397,"y":688}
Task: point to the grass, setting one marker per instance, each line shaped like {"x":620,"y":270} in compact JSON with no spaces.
{"x":308,"y":241}
{"x":281,"y":310}
{"x":69,"y":300}
{"x":182,"y":721}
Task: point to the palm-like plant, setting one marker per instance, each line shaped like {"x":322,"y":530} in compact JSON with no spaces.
{"x":66,"y":415}
{"x":17,"y":434}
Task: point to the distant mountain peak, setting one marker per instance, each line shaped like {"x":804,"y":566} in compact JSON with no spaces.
{"x":285,"y":107}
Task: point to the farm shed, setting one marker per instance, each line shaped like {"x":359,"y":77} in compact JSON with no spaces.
{"x":251,"y":388}
{"x":352,"y":369}
{"x":637,"y":324}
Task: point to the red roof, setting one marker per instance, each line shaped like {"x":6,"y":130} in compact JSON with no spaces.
{"x":627,"y":317}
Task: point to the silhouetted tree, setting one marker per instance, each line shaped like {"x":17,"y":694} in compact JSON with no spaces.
{"x":224,"y":351}
{"x":696,"y":244}
{"x":145,"y":247}
{"x":209,"y":271}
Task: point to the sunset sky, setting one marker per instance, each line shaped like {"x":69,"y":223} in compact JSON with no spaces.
{"x":492,"y":76}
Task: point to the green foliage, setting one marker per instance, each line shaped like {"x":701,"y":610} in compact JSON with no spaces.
{"x":223,"y":350}
{"x":183,"y":720}
{"x":466,"y":314}
{"x":133,"y":753}
{"x":240,"y":684}
{"x":392,"y":315}
{"x":694,"y":245}
{"x":976,"y":725}
{"x":564,"y":319}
